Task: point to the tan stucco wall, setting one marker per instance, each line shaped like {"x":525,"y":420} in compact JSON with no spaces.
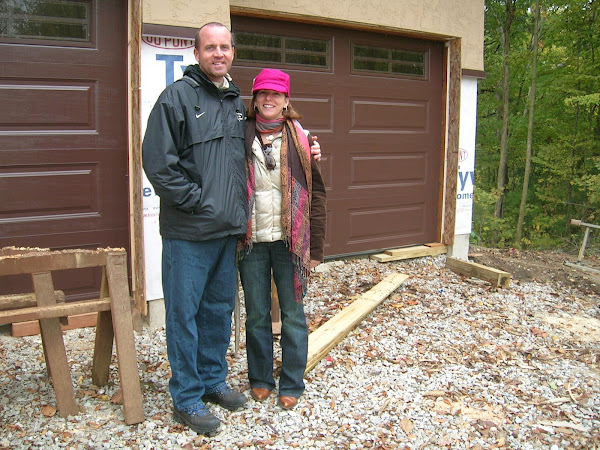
{"x":185,"y":13}
{"x":440,"y":18}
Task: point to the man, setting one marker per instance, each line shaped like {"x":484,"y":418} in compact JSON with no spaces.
{"x":193,"y":154}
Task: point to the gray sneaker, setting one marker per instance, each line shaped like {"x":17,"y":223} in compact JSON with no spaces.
{"x":227,"y":398}
{"x":200,"y":420}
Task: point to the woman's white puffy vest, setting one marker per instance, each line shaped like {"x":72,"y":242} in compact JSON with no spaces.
{"x":266,"y":213}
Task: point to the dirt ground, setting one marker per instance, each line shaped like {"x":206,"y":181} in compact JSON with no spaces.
{"x":542,"y":266}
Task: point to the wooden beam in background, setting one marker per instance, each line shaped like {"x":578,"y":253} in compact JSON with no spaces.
{"x":32,"y":327}
{"x":497,"y":277}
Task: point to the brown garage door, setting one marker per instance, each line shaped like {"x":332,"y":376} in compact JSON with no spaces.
{"x":375,"y":101}
{"x":63,"y":135}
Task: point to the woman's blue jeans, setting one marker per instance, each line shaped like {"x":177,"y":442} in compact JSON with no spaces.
{"x":255,"y":274}
{"x":199,"y":286}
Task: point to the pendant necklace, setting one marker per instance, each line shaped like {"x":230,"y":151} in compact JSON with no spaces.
{"x":269,"y":137}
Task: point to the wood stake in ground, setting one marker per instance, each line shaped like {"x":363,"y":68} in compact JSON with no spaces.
{"x":328,"y":335}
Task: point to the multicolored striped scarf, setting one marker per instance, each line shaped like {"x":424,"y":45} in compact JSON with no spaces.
{"x":296,"y":186}
{"x":270,"y":126}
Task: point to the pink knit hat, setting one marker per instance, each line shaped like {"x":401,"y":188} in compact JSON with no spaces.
{"x":272,"y":79}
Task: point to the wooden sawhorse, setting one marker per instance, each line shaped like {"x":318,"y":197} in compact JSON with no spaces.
{"x":586,"y":235}
{"x":114,"y":319}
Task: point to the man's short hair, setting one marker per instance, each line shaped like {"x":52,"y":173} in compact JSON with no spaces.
{"x":211,"y":24}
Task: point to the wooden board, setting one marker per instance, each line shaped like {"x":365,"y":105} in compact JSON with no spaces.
{"x":582,"y":267}
{"x":54,"y":346}
{"x":54,"y":310}
{"x":497,"y":277}
{"x":32,"y":327}
{"x":34,"y":262}
{"x":16,"y":301}
{"x":410,"y":252}
{"x":453,"y":81}
{"x":116,"y":274}
{"x":328,"y":335}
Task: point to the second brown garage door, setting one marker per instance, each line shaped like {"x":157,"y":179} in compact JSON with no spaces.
{"x":375,"y":102}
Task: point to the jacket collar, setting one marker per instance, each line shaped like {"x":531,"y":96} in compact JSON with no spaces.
{"x":194,"y":72}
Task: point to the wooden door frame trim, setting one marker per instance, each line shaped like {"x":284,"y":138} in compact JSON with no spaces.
{"x":136,"y":207}
{"x":452,"y":145}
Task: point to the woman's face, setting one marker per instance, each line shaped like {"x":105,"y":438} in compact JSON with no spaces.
{"x":270,"y":104}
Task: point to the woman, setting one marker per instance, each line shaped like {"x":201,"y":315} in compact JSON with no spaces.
{"x":286,"y":235}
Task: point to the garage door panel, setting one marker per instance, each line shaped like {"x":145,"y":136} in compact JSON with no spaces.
{"x":70,"y":188}
{"x":390,"y":170}
{"x":60,"y":190}
{"x":382,"y":222}
{"x":69,"y":223}
{"x":394,"y":117}
{"x":47,"y":104}
{"x":317,"y":112}
{"x":360,"y":225}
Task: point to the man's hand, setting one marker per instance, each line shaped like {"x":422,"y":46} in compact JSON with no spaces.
{"x":314,"y":263}
{"x":315,"y":150}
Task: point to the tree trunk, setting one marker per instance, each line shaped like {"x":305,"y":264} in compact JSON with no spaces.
{"x":535,"y":41}
{"x":505,"y":30}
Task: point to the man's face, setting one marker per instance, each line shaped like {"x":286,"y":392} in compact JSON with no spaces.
{"x":215,"y":52}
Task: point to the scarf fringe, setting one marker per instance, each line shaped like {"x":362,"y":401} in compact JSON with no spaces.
{"x":301,"y":275}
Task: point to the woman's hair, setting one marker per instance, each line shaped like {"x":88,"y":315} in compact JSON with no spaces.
{"x":289,"y":113}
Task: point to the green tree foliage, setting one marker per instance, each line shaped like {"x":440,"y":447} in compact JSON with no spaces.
{"x":565,"y":172}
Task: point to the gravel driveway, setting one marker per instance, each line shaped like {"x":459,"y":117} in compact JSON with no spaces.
{"x":444,"y":362}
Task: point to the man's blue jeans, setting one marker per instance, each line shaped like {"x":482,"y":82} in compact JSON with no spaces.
{"x":255,"y":274}
{"x":199,"y":285}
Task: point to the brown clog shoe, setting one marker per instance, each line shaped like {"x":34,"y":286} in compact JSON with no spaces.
{"x":287,"y":402}
{"x":259,"y":394}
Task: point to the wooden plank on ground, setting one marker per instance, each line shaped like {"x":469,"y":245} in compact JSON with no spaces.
{"x":410,"y":252}
{"x":328,"y":335}
{"x":497,"y":277}
{"x":32,"y":327}
{"x":582,"y":267}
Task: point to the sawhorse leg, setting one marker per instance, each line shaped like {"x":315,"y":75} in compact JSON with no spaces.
{"x":54,"y":347}
{"x":104,"y":340}
{"x":116,"y":273}
{"x":586,"y":234}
